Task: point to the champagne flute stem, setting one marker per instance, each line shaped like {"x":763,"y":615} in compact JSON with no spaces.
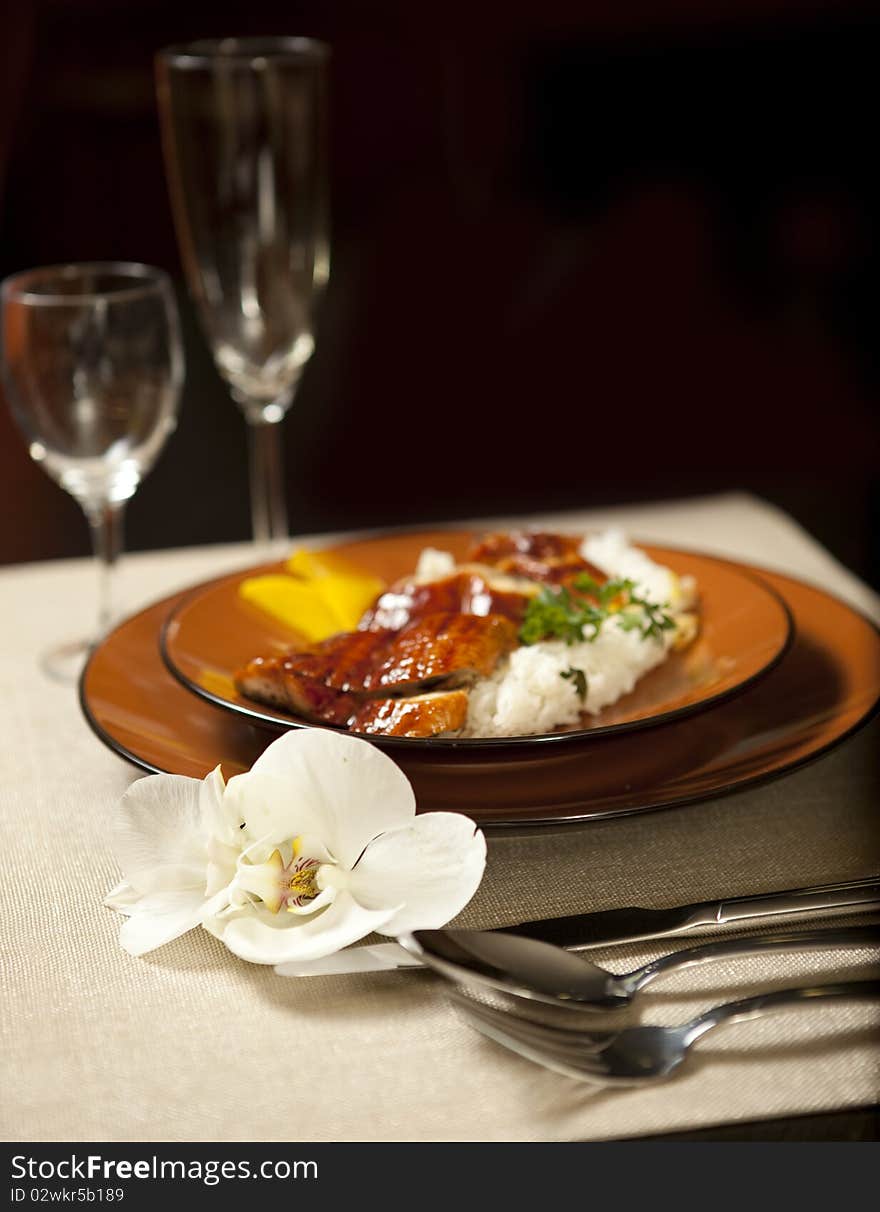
{"x":268,"y":504}
{"x":275,"y":478}
{"x":105,"y":521}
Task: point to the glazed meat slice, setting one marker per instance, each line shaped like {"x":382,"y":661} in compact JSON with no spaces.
{"x":327,"y":681}
{"x":468,"y":591}
{"x":450,"y":648}
{"x":494,"y":548}
{"x":276,"y":681}
{"x":344,"y":663}
{"x":540,"y":556}
{"x":435,"y":714}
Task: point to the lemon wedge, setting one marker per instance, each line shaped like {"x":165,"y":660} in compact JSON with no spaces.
{"x":295,"y":603}
{"x":320,"y":595}
{"x":312,"y":565}
{"x":348,"y":597}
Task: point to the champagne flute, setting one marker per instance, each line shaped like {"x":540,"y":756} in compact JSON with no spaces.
{"x":243,"y":131}
{"x":93,"y":367}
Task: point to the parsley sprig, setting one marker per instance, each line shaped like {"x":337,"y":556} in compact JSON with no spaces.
{"x":577,"y":613}
{"x":652,"y":622}
{"x":579,"y":679}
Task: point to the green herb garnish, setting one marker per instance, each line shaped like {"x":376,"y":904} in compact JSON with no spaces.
{"x":557,"y":612}
{"x":580,"y":681}
{"x":577,"y":613}
{"x":655,"y":619}
{"x":604,"y":594}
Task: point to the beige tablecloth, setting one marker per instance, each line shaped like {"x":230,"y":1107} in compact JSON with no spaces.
{"x":190,"y":1043}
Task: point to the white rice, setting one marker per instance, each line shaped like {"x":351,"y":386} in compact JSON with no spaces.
{"x":433,"y":565}
{"x":613,"y":554}
{"x":527,"y":693}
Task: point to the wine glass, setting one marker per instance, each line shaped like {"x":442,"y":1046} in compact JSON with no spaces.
{"x":93,"y":366}
{"x":243,"y":131}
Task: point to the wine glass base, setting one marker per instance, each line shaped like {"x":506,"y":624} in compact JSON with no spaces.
{"x":66,"y":662}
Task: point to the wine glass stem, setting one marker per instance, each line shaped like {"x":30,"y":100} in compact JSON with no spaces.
{"x":106,"y":525}
{"x":268,"y":504}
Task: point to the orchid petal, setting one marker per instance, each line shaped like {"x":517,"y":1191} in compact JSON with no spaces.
{"x":326,"y":897}
{"x":327,"y":784}
{"x":159,"y":843}
{"x":384,"y":957}
{"x":123,"y":898}
{"x":430,"y":868}
{"x":308,"y":846}
{"x":265,"y":938}
{"x":218,"y":819}
{"x":160,"y":917}
{"x":221,"y":863}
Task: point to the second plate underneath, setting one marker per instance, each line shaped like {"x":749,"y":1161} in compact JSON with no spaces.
{"x":827,"y":684}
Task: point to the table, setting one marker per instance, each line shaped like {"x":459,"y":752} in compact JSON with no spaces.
{"x":191,"y":1044}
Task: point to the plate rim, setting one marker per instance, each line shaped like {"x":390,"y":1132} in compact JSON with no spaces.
{"x":560,"y":822}
{"x":272,"y":723}
{"x":556,"y":821}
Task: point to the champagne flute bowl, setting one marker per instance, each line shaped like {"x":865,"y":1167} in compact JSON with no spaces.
{"x":243,"y":131}
{"x":93,"y":367}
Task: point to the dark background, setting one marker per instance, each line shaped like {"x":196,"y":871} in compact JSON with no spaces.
{"x":583,"y":254}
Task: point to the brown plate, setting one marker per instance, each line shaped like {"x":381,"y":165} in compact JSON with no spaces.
{"x":826,"y":685}
{"x":745,"y":630}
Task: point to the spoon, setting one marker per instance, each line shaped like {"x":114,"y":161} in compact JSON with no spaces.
{"x":542,"y":972}
{"x":636,"y":1055}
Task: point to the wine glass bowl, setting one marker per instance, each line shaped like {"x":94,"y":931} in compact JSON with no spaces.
{"x":243,"y":131}
{"x":93,"y":367}
{"x":93,"y":371}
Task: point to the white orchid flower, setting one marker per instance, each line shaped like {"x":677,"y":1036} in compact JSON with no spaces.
{"x":312,"y":849}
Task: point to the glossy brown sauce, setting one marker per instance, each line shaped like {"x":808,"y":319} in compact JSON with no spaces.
{"x":366,"y":662}
{"x":548,"y":558}
{"x":462,"y":593}
{"x":536,"y":543}
{"x":420,"y":637}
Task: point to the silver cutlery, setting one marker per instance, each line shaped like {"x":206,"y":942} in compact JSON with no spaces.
{"x":527,"y":968}
{"x":634,"y":1056}
{"x":634,"y":923}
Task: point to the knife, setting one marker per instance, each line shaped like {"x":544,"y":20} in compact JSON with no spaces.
{"x":632,"y":925}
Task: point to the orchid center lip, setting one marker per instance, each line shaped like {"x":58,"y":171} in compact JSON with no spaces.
{"x":281,"y":885}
